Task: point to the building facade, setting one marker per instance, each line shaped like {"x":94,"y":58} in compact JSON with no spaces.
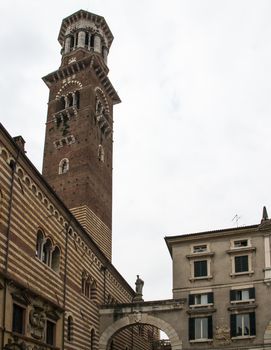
{"x":55,"y":228}
{"x":224,"y":276}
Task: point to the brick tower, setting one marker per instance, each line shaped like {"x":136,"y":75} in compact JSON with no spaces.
{"x":78,"y":142}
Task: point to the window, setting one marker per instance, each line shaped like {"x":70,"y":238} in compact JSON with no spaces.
{"x":18,"y":319}
{"x":55,"y":259}
{"x":63,"y":166}
{"x":201,"y":299}
{"x":242,"y":294}
{"x":241,"y":243}
{"x":200,"y":328}
{"x":92,"y":339}
{"x":241,"y":263}
{"x":88,"y":286}
{"x":39,"y":244}
{"x":69,"y":328}
{"x":200,"y":248}
{"x":200,"y":268}
{"x":50,"y":332}
{"x":243,"y":325}
{"x":46,"y":252}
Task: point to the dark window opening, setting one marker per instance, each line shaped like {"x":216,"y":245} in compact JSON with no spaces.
{"x":69,"y":328}
{"x":18,"y":319}
{"x":241,"y":263}
{"x":77,"y":99}
{"x":92,"y":41}
{"x":200,"y":268}
{"x":50,"y":333}
{"x":86,"y":39}
{"x":72,"y":42}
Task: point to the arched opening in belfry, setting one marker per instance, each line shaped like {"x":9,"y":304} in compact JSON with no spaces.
{"x":132,"y":332}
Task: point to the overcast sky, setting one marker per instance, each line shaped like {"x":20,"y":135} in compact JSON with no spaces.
{"x":192,"y":134}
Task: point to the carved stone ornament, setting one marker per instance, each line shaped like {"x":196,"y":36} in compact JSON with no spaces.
{"x":136,"y":317}
{"x":222,"y":335}
{"x":13,"y":344}
{"x":37,"y":319}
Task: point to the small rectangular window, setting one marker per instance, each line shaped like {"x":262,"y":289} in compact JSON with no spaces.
{"x":241,"y":243}
{"x":201,"y":299}
{"x":242,"y":294}
{"x":200,"y":248}
{"x":18,"y":319}
{"x":241,"y":263}
{"x":200,"y":268}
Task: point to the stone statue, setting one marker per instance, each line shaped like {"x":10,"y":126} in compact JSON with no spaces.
{"x":139,"y":287}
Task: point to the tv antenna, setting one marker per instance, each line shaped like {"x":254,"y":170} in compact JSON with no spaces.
{"x":236,"y":219}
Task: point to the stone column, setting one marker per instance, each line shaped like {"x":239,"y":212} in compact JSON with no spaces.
{"x":267,"y":258}
{"x":97,"y":43}
{"x":74,"y":99}
{"x":105,"y":54}
{"x":66,"y":102}
{"x":67,"y":45}
{"x":81,"y":39}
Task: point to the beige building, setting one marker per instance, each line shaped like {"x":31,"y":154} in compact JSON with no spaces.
{"x":224,"y":276}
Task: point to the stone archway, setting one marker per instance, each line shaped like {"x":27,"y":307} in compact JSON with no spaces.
{"x":139,"y":318}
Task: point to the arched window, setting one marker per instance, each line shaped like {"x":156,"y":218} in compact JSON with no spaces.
{"x":101,"y":153}
{"x":93,"y":291}
{"x":63,"y":166}
{"x":92,"y":339}
{"x":69,"y":328}
{"x":39,"y":244}
{"x":72,"y":42}
{"x":55,"y":259}
{"x":88,"y":288}
{"x":46,"y":252}
{"x":62,"y":103}
{"x":69,"y":99}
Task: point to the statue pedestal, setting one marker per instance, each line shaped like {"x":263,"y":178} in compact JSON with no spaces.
{"x":138,"y":298}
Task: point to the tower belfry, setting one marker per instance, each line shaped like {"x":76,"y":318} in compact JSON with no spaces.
{"x":78,"y":142}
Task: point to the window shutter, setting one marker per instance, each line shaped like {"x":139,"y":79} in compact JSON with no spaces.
{"x":245,"y":263}
{"x":204,"y":268}
{"x":232,"y":295}
{"x":196,"y":269}
{"x":238,"y":266}
{"x":210,"y":327}
{"x":251,"y":292}
{"x":252,"y":323}
{"x":191,"y":299}
{"x":210,"y":298}
{"x":191,"y":328}
{"x":233,"y":325}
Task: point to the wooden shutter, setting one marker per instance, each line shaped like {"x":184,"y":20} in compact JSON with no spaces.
{"x":191,"y":328}
{"x":210,"y":327}
{"x":251,"y":292}
{"x":252,"y":323}
{"x":210,"y":297}
{"x":233,"y":325}
{"x":191,"y":299}
{"x":232,"y":295}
